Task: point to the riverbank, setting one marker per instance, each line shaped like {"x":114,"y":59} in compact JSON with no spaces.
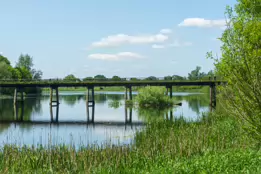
{"x":215,"y":144}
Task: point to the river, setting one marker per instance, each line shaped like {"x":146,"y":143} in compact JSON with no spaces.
{"x":109,"y":107}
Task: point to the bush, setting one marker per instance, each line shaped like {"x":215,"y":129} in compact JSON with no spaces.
{"x":153,"y":97}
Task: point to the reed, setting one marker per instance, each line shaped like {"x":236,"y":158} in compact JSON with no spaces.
{"x":213,"y":144}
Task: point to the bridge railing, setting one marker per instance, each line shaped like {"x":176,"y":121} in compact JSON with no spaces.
{"x":55,"y":80}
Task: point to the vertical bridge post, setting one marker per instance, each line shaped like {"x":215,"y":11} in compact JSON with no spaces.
{"x":16,"y":92}
{"x":56,"y":101}
{"x":90,"y":96}
{"x":128,"y":97}
{"x":130,"y":93}
{"x":169,"y":91}
{"x":56,"y":114}
{"x":213,"y":97}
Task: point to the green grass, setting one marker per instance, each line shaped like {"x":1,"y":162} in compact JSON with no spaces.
{"x":215,"y":144}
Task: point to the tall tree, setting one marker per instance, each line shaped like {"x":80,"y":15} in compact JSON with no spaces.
{"x":25,"y":63}
{"x":240,"y":64}
{"x":195,"y":74}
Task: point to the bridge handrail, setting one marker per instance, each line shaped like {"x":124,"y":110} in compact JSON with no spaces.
{"x":130,"y":79}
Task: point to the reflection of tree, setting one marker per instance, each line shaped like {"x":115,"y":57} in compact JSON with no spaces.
{"x":23,"y":111}
{"x":100,"y":98}
{"x":196,"y":102}
{"x":152,"y":114}
{"x":71,"y":99}
{"x":115,"y":97}
{"x":114,"y":104}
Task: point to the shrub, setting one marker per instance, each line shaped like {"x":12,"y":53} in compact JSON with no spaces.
{"x":153,"y":97}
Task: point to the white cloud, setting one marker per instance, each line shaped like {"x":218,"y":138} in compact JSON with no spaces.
{"x":166,"y":31}
{"x":201,"y":22}
{"x":156,"y":46}
{"x":174,"y":44}
{"x":115,"y":57}
{"x":123,"y":39}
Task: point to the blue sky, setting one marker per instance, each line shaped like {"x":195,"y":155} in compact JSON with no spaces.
{"x":118,"y":37}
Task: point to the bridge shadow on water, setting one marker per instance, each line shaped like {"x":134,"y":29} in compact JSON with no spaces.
{"x":19,"y":118}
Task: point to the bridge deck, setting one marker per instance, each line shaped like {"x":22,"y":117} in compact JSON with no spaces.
{"x":44,"y":84}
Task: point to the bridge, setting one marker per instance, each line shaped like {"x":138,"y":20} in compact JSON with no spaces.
{"x":128,"y":84}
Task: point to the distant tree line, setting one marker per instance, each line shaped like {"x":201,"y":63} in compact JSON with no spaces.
{"x":195,"y":74}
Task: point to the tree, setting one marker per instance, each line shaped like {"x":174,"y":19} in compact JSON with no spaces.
{"x":87,"y":79}
{"x":4,"y":59}
{"x":100,"y":77}
{"x":70,"y":78}
{"x":134,"y":79}
{"x":195,"y":74}
{"x":25,"y":63}
{"x":116,"y":78}
{"x":177,"y":77}
{"x":5,"y":72}
{"x":240,"y":64}
{"x":151,"y":78}
{"x":167,"y":78}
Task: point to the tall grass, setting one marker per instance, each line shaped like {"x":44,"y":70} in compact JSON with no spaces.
{"x":214,"y":144}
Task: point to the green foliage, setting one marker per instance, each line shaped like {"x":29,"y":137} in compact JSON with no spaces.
{"x":100,"y":77}
{"x":153,"y":97}
{"x":4,"y":59}
{"x":197,"y":75}
{"x":177,"y":77}
{"x":71,"y":78}
{"x":167,"y":78}
{"x":25,"y":66}
{"x":240,"y":65}
{"x":5,"y":71}
{"x":116,"y":78}
{"x":151,"y":78}
{"x":87,"y":79}
{"x":114,"y":104}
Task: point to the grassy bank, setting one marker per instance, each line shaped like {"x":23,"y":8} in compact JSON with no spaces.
{"x":215,"y":144}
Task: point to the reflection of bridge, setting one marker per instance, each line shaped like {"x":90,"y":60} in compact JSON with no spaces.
{"x":54,"y":118}
{"x":54,"y":85}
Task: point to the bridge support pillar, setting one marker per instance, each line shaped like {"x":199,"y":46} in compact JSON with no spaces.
{"x":56,"y":114}
{"x":169,"y":91}
{"x":128,"y":116}
{"x":90,"y":96}
{"x":128,"y":97}
{"x":213,"y":97}
{"x":16,"y":92}
{"x":17,"y":107}
{"x":56,"y":101}
{"x":130,"y":93}
{"x":126,"y":93}
{"x":90,"y":119}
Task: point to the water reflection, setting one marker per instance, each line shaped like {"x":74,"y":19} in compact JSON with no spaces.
{"x":36,"y":122}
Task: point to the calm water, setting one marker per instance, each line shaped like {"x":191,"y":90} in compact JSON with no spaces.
{"x":109,"y":107}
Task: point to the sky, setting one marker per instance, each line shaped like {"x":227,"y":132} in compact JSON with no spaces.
{"x":128,"y":38}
